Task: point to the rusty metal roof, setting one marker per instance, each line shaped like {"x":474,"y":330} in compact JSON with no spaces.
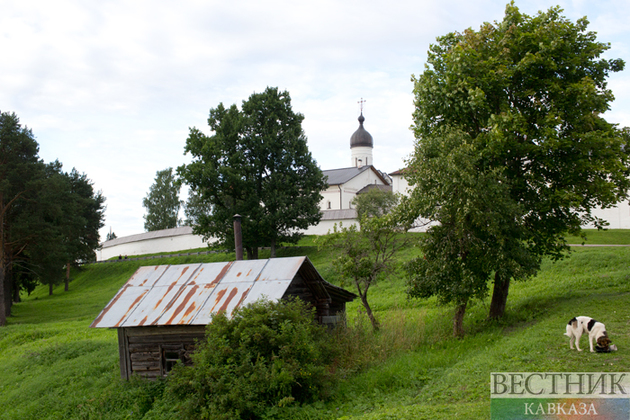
{"x":189,"y":294}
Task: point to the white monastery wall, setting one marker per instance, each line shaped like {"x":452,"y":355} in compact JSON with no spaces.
{"x":168,"y":240}
{"x":326,"y":226}
{"x":618,"y":216}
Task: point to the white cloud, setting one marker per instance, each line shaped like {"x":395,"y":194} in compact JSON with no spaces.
{"x":111,"y":87}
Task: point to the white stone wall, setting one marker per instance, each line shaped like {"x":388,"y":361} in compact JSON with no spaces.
{"x":618,"y":216}
{"x":168,"y":240}
{"x":400,"y":185}
{"x":326,"y":226}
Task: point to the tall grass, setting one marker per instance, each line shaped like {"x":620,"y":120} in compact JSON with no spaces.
{"x":55,"y":367}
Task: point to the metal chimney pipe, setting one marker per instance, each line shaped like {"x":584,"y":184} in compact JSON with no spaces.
{"x":238,"y":237}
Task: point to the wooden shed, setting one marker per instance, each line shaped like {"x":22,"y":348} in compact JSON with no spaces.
{"x":162,"y":310}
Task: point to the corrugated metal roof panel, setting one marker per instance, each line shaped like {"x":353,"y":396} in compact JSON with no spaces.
{"x":186,"y":306}
{"x":177,"y":275}
{"x":147,"y":276}
{"x":211,"y":273}
{"x":225,"y":298}
{"x":119,"y":308}
{"x":151,"y":308}
{"x":189,"y":294}
{"x":244,"y":271}
{"x":271,"y":290}
{"x":281,"y":268}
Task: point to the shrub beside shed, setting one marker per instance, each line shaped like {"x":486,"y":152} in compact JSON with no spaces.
{"x":162,"y":310}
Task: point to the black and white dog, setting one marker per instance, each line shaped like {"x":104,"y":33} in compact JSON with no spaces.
{"x":596,"y":331}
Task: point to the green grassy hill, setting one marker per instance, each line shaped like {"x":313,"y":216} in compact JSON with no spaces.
{"x":55,"y":367}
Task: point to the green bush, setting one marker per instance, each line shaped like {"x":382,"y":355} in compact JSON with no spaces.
{"x":269,"y":354}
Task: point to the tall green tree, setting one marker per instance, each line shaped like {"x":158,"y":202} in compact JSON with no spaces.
{"x":59,"y":224}
{"x":86,"y":211}
{"x":475,"y":233}
{"x":19,"y":167}
{"x":52,"y":218}
{"x":195,"y":208}
{"x":524,"y":97}
{"x":48,"y":219}
{"x":256,"y":164}
{"x":162,"y":202}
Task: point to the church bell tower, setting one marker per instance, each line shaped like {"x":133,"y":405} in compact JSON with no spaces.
{"x":361,"y":144}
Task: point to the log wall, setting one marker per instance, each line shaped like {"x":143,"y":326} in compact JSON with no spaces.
{"x":151,"y":352}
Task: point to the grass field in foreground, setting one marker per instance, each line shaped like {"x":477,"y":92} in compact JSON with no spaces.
{"x":55,"y":367}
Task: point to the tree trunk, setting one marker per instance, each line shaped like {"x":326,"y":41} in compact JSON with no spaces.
{"x":458,"y":319}
{"x":8,"y":289}
{"x":3,"y":265}
{"x":3,"y":317}
{"x":66,"y":287}
{"x":499,"y":297}
{"x":252,"y":253}
{"x":368,"y":310}
{"x":272,"y":253}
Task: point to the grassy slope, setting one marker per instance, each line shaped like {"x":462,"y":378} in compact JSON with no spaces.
{"x":594,"y":236}
{"x":54,"y":366}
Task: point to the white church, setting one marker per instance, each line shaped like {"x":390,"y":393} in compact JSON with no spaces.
{"x":344,"y":185}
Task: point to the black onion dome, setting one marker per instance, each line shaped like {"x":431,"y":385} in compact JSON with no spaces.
{"x":361,"y":138}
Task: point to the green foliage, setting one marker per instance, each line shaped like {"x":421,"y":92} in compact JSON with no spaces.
{"x":87,"y":214}
{"x":367,"y":254}
{"x":267,"y":354}
{"x":48,"y":219}
{"x":509,"y":132}
{"x":256,"y":164}
{"x":375,"y":203}
{"x":60,"y":224}
{"x":475,"y":236}
{"x":196,"y":208}
{"x":162,"y":202}
{"x":19,"y":166}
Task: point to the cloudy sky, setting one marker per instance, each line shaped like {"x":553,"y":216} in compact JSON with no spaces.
{"x":111,"y":87}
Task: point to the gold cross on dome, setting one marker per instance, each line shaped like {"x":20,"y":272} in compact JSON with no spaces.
{"x":361,"y":102}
